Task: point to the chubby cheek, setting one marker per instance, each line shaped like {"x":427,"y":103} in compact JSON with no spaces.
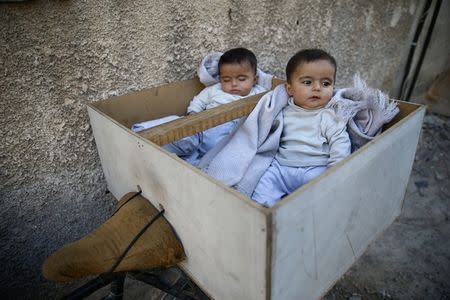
{"x":329,"y":94}
{"x":300,"y":93}
{"x":246,"y":88}
{"x":226,"y":87}
{"x":296,"y":91}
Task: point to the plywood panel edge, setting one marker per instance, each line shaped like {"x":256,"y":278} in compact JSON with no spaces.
{"x":420,"y":116}
{"x":269,"y":249}
{"x":175,"y":84}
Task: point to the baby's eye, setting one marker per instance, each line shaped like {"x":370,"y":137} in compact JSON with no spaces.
{"x":226,"y":79}
{"x":306,"y":82}
{"x":242,"y":78}
{"x":326,"y":83}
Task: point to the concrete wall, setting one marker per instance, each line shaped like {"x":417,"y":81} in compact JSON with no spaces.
{"x":56,"y":56}
{"x":433,"y":82}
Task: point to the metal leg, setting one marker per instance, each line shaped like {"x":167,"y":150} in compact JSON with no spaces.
{"x":90,"y":287}
{"x":180,"y":287}
{"x":116,"y":292}
{"x":172,"y":281}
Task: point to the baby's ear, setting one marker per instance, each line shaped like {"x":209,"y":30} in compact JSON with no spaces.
{"x":288,"y":88}
{"x":256,"y":79}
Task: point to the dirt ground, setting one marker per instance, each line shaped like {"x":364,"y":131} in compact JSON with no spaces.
{"x":411,"y":260}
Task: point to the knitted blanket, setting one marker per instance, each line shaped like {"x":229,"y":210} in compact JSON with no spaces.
{"x":241,"y":159}
{"x":364,"y":109}
{"x":208,"y":71}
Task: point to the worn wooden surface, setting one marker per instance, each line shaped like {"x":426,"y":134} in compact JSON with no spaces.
{"x":151,"y":103}
{"x":191,"y":124}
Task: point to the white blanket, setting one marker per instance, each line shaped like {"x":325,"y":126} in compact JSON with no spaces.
{"x":152,"y":123}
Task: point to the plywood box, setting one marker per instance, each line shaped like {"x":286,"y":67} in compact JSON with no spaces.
{"x":237,"y":249}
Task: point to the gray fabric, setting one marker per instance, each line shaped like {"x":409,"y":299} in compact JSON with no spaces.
{"x":241,"y":159}
{"x":364,"y":109}
{"x":208,"y":70}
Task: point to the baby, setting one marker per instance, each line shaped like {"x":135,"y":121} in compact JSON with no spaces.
{"x":237,"y":79}
{"x":313,"y":137}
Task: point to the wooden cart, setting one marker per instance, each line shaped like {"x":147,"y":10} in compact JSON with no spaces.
{"x":237,"y":249}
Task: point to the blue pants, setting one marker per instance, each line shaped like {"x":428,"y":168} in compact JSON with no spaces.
{"x":278,"y":181}
{"x":192,"y":148}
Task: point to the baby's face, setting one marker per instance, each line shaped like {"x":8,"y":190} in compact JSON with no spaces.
{"x":237,"y":79}
{"x":311,"y":85}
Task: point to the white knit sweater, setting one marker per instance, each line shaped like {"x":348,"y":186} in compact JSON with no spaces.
{"x":312,"y":137}
{"x":213,"y":96}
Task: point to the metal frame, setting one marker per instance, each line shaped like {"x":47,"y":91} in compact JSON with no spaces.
{"x":182,"y":288}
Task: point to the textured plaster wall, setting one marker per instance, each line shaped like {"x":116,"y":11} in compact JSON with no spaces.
{"x":56,"y":56}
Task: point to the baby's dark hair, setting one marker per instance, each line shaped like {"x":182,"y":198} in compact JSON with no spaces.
{"x":238,"y":56}
{"x":307,"y":55}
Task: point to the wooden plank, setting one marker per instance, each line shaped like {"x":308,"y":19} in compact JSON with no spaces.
{"x":191,"y":124}
{"x":323,"y":227}
{"x":224,"y":233}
